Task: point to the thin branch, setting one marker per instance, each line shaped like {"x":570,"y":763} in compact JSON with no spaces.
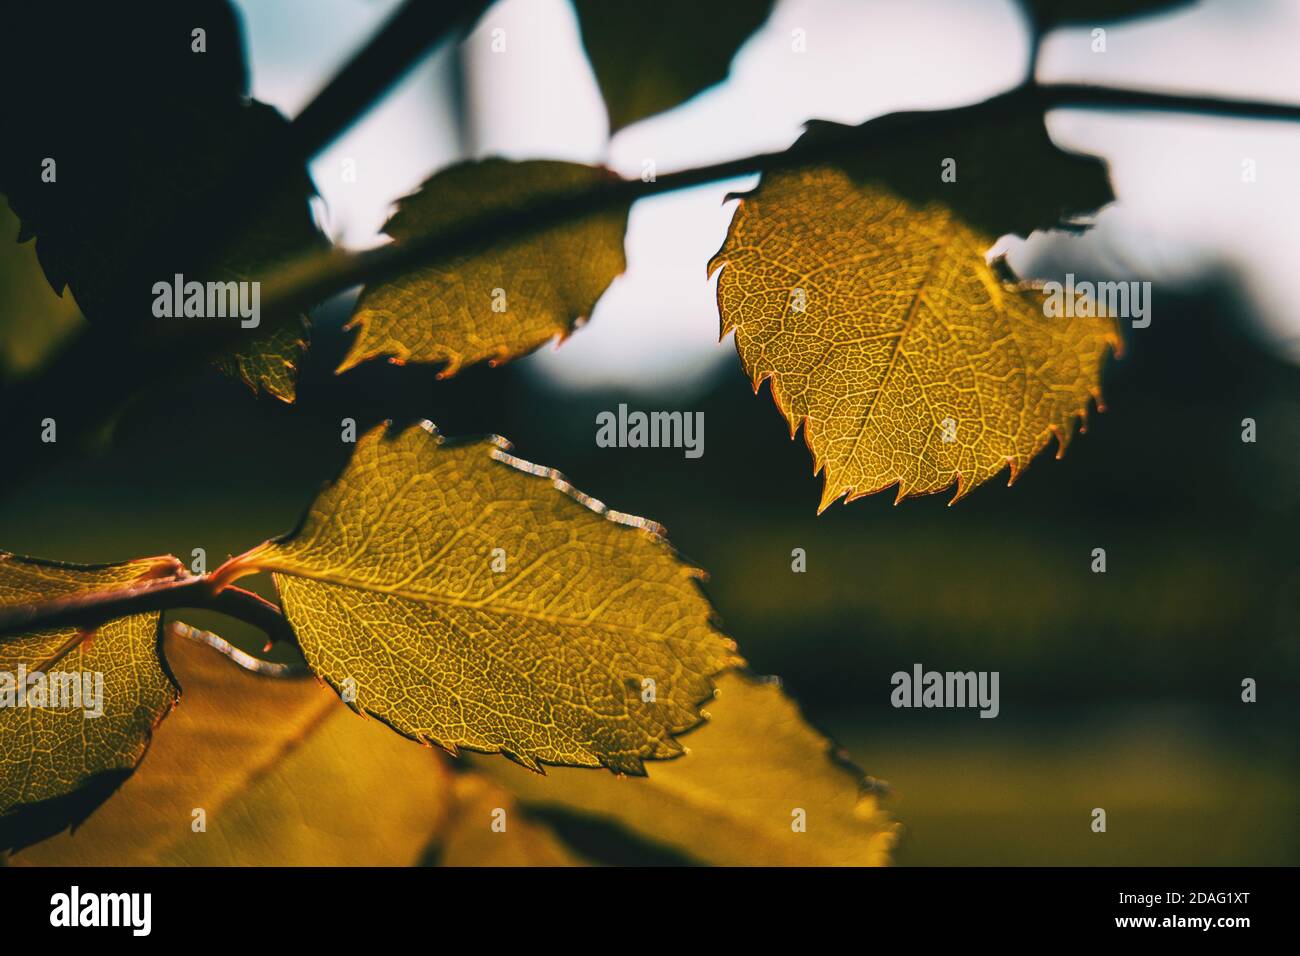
{"x":384,"y":60}
{"x":319,"y":276}
{"x":93,"y":609}
{"x":112,"y":364}
{"x":1083,"y":96}
{"x":255,"y":610}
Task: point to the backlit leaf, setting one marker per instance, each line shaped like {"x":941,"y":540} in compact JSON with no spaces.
{"x":733,"y":799}
{"x":861,"y":291}
{"x":650,"y":57}
{"x":284,"y":776}
{"x":58,"y":762}
{"x":473,"y":600}
{"x":33,"y":320}
{"x":271,"y":361}
{"x":497,"y":304}
{"x":468,"y":837}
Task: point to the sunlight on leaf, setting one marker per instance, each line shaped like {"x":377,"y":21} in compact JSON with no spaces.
{"x":501,"y":303}
{"x":861,"y":292}
{"x":469,"y":839}
{"x":58,"y":762}
{"x":271,"y":361}
{"x":283,"y":775}
{"x":473,"y":600}
{"x":34,"y":321}
{"x":732,"y":800}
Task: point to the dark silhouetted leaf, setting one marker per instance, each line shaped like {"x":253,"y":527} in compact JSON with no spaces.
{"x":650,"y":57}
{"x":131,"y":151}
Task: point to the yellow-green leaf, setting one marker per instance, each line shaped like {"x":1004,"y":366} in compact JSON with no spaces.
{"x":58,"y":762}
{"x":753,"y":774}
{"x":283,"y":775}
{"x":473,"y":600}
{"x":271,"y":361}
{"x":500,"y":303}
{"x":486,"y":828}
{"x":34,"y":320}
{"x":861,"y":292}
{"x":649,"y":57}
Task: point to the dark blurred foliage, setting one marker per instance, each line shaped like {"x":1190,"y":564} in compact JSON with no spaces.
{"x":124,"y":109}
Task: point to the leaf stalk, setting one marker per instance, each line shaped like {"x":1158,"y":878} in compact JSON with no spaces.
{"x":90,"y":610}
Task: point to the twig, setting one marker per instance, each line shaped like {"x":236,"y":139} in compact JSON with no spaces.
{"x":320,"y":275}
{"x":111,"y":366}
{"x":92,"y":609}
{"x":1083,"y":96}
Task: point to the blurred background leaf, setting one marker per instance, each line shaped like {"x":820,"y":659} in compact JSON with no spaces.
{"x":756,"y":787}
{"x":285,"y":776}
{"x":34,"y":319}
{"x":651,"y":57}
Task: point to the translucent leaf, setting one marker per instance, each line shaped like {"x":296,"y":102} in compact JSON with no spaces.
{"x":57,"y":762}
{"x":473,"y":600}
{"x":754,"y":774}
{"x":470,"y":838}
{"x":258,"y":771}
{"x":271,"y":361}
{"x":502,"y":302}
{"x":860,"y":290}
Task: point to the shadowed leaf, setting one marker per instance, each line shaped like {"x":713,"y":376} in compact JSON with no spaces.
{"x":650,"y":57}
{"x":99,"y":223}
{"x":33,"y":320}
